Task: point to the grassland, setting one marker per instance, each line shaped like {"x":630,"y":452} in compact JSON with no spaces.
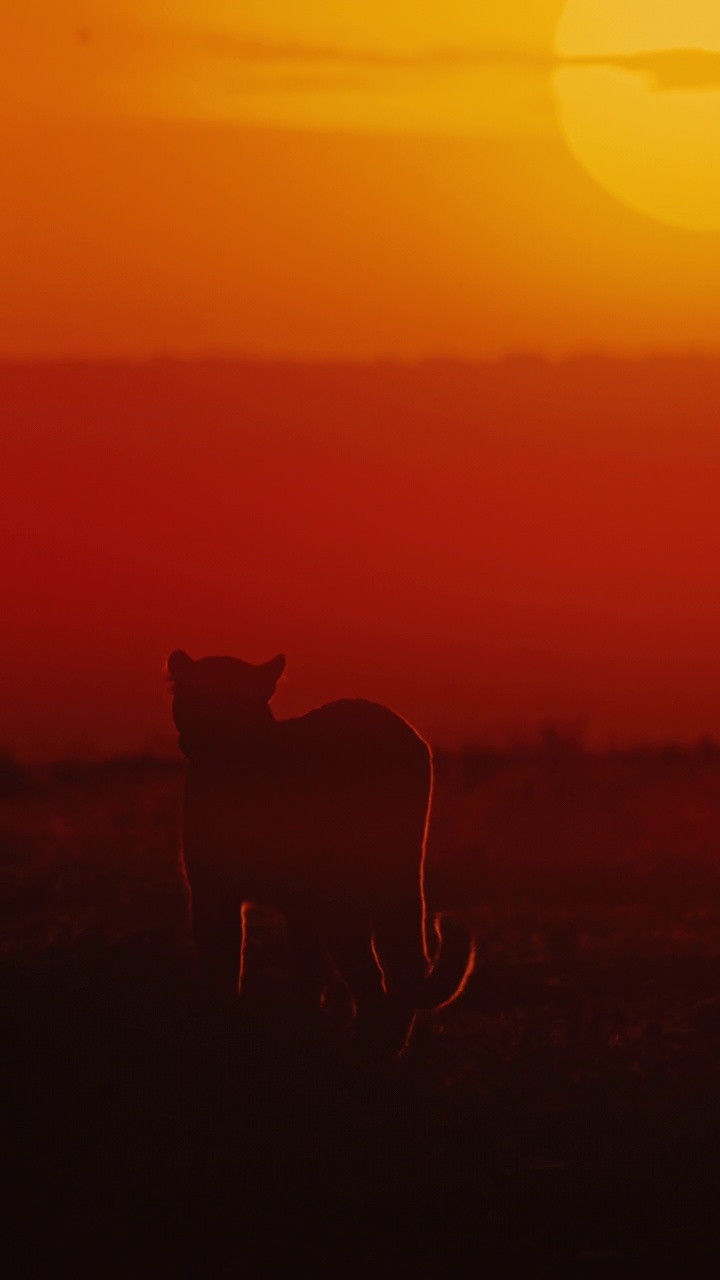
{"x":566,"y":1111}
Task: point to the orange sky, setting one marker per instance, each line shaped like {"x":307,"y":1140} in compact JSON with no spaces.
{"x":316,"y":180}
{"x":360,"y":182}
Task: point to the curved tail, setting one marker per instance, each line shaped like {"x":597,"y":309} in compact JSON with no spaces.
{"x":454,"y":963}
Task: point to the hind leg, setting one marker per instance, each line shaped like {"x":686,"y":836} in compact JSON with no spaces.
{"x":381,"y":1021}
{"x":399,"y":946}
{"x":217,"y":933}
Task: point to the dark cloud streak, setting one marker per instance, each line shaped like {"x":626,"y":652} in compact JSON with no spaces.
{"x":672,"y":70}
{"x":669,"y":70}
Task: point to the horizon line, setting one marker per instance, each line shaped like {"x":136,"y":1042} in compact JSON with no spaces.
{"x":543,"y":739}
{"x":709,"y":355}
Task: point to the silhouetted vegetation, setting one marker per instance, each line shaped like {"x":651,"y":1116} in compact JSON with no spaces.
{"x":567,"y":1108}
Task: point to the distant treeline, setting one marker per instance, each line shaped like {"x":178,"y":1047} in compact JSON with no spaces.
{"x":471,"y":764}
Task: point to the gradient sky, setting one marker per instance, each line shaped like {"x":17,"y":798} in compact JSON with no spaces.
{"x":485,"y":548}
{"x":319,"y":180}
{"x":311,"y":181}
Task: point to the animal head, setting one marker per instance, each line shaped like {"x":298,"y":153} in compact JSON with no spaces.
{"x":221,"y":703}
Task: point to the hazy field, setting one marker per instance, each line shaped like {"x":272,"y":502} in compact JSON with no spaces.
{"x":568,"y":1107}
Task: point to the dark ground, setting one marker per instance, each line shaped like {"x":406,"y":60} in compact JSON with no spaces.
{"x":563,"y":1115}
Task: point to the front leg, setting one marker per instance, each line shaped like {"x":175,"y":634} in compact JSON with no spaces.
{"x":309,"y":960}
{"x":218,"y":935}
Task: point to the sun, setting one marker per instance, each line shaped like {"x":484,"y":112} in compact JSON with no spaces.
{"x":638,"y":94}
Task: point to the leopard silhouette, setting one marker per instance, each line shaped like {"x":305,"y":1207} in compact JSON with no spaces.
{"x":323,"y":817}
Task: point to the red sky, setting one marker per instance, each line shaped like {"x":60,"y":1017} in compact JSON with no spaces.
{"x":483,"y":547}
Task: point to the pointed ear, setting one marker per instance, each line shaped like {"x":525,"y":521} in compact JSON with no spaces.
{"x":271,"y":672}
{"x":178,"y":664}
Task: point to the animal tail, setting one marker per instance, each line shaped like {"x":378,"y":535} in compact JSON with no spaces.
{"x":453,"y":964}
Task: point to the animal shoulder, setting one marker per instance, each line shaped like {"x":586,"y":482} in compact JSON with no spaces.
{"x":350,"y":720}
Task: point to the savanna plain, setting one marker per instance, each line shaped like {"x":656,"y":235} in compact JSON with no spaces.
{"x":565,"y":1109}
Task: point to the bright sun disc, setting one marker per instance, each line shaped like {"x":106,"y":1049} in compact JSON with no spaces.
{"x":646,"y":122}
